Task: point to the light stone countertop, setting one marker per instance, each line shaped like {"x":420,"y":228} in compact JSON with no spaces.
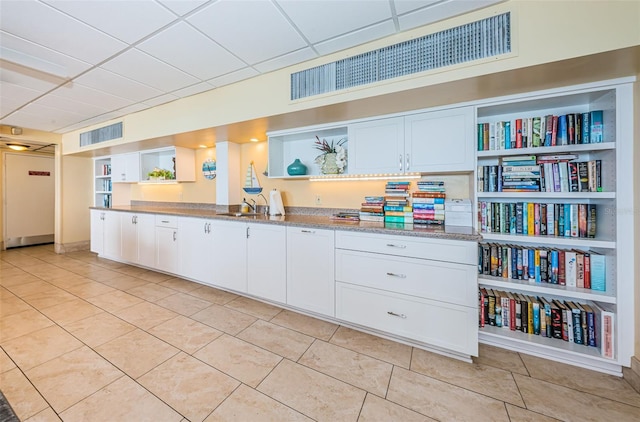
{"x":311,"y":220}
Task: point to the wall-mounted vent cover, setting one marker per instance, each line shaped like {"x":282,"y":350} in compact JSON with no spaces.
{"x":101,"y":134}
{"x":477,"y":40}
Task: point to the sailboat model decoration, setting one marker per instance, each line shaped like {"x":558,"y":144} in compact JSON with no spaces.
{"x":251,"y":183}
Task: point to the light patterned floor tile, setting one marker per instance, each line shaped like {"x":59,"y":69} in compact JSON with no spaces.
{"x":305,"y":324}
{"x":603,"y":385}
{"x":566,"y":404}
{"x":354,"y":368}
{"x":183,"y":303}
{"x":99,"y":329}
{"x":71,"y":311}
{"x":21,"y":395}
{"x":376,"y":409}
{"x":224,"y":319}
{"x":48,"y":298}
{"x":442,"y":401}
{"x":500,"y":358}
{"x":379,"y":348}
{"x":12,"y":305}
{"x":26,"y":289}
{"x":217,"y":296}
{"x":179,"y":284}
{"x":71,"y":377}
{"x":146,"y":315}
{"x":518,"y":414}
{"x":316,"y":395}
{"x":185,"y":333}
{"x":241,"y":360}
{"x":5,"y":362}
{"x":247,"y":404}
{"x":123,"y":282}
{"x":282,"y":341}
{"x":40,"y":346}
{"x":151,"y":292}
{"x":191,"y":387}
{"x":114,"y":301}
{"x":482,"y":379}
{"x":122,"y":400}
{"x":89,"y":288}
{"x":136,"y":352}
{"x":47,"y":415}
{"x":254,"y":307}
{"x":21,"y":323}
{"x":154,"y":277}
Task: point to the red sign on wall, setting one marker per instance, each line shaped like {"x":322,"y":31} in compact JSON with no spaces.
{"x":39,"y":173}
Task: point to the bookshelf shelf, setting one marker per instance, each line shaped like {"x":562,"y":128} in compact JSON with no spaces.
{"x":563,"y":242}
{"x":102,"y":182}
{"x":546,"y":289}
{"x":612,"y":102}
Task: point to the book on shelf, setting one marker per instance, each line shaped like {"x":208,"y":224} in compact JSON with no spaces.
{"x":605,"y":328}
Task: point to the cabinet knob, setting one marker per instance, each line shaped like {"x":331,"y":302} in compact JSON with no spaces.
{"x":396,"y":275}
{"x":400,"y":163}
{"x":174,"y":236}
{"x":407,"y":163}
{"x":403,"y":316}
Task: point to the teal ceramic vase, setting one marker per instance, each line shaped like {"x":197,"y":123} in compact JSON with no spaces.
{"x":297,"y":168}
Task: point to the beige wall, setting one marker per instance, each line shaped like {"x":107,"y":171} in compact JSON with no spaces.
{"x":74,"y":193}
{"x":636,"y":191}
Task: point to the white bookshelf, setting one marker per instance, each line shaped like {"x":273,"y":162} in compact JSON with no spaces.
{"x":614,"y":225}
{"x":102,"y":182}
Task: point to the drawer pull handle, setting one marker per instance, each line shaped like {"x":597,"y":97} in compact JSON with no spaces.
{"x":391,"y":245}
{"x":403,"y":316}
{"x":165,"y":221}
{"x":308,"y":231}
{"x":396,"y":275}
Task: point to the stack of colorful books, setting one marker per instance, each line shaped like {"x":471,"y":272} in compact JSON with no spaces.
{"x":372,"y":209}
{"x":520,"y":174}
{"x":397,"y":208}
{"x":428,"y":202}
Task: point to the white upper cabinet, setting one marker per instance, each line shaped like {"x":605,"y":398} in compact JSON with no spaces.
{"x":173,"y":164}
{"x":125,"y":168}
{"x":435,"y":141}
{"x":440,"y":141}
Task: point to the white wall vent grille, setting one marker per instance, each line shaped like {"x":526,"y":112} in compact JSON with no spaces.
{"x":477,"y":40}
{"x":101,"y":134}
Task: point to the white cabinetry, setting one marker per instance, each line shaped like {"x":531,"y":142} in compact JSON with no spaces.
{"x":180,"y":162}
{"x":97,"y":231}
{"x":196,"y":244}
{"x":102,"y":182}
{"x":267,"y":262}
{"x":166,"y":243}
{"x":138,"y":238}
{"x":420,"y":289}
{"x":613,"y":229}
{"x":229,"y":254}
{"x":125,"y":167}
{"x":310,"y":269}
{"x":434,"y":141}
{"x":112,"y":236}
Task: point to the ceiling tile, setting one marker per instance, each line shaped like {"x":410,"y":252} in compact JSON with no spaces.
{"x":440,"y":11}
{"x":233,"y":77}
{"x":182,"y":7}
{"x":115,"y":84}
{"x":18,"y":94}
{"x":352,"y":39}
{"x":255,"y":30}
{"x":193,"y":90}
{"x":128,"y":21}
{"x":139,"y":66}
{"x":30,"y":52}
{"x":18,"y":75}
{"x":189,"y":50}
{"x":8,"y":104}
{"x":46,"y":118}
{"x":66,"y":104}
{"x":320,"y":20}
{"x":39,"y":23}
{"x":286,"y":60}
{"x":78,"y":92}
{"x":162,"y":99}
{"x":404,"y":6}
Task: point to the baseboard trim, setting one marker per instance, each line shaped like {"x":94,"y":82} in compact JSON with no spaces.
{"x":632,"y":374}
{"x":72,"y":247}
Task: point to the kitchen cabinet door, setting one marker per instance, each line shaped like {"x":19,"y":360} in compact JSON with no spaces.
{"x":376,"y":146}
{"x":440,"y":141}
{"x":112,"y":235}
{"x":196,"y":249}
{"x":129,"y":236}
{"x":230,"y":255}
{"x":167,"y":249}
{"x":97,"y":231}
{"x":267,"y":259}
{"x":125,"y":167}
{"x":146,"y":239}
{"x":310,"y":270}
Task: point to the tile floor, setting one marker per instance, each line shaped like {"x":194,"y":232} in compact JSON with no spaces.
{"x":87,"y":339}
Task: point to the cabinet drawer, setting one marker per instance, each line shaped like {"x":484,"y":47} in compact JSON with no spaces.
{"x":167,"y":221}
{"x":443,"y":325}
{"x":445,"y":281}
{"x":462,"y":252}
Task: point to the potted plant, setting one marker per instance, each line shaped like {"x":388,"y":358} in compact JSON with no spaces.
{"x":333,"y":159}
{"x":160,"y":174}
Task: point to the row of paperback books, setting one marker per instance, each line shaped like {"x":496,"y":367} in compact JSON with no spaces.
{"x":590,"y":325}
{"x":106,"y":200}
{"x":543,"y":175}
{"x":564,"y":267}
{"x":542,"y":131}
{"x":106,"y":170}
{"x":106,"y":185}
{"x":538,"y":219}
{"x":428,"y":202}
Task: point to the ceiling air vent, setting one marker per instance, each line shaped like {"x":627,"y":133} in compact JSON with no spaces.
{"x":101,"y":134}
{"x":473,"y":41}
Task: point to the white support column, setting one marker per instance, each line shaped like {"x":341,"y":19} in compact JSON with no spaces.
{"x":228,"y":186}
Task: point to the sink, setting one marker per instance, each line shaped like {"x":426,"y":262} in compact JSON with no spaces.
{"x":240,"y":214}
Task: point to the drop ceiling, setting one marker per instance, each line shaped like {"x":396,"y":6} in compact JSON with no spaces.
{"x":67,"y":64}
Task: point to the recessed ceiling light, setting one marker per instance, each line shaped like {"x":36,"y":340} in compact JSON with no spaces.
{"x":203,"y":146}
{"x":18,"y":147}
{"x":254,"y":140}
